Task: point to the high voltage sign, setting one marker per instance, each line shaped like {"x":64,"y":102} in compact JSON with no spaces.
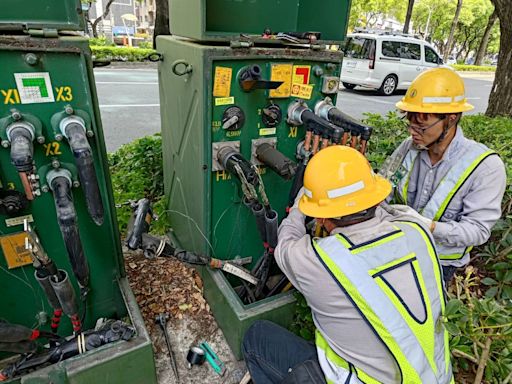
{"x":34,"y":87}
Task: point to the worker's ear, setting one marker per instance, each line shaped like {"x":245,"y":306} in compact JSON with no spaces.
{"x":453,"y":117}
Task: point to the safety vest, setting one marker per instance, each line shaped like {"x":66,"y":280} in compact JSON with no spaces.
{"x":446,"y":190}
{"x":419,"y":346}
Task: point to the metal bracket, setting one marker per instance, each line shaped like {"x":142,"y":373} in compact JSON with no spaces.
{"x":216,"y":147}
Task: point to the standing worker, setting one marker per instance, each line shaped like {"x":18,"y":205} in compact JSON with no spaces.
{"x":453,"y":184}
{"x":374,"y":287}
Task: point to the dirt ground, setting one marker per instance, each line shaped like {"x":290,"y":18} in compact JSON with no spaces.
{"x":168,"y":286}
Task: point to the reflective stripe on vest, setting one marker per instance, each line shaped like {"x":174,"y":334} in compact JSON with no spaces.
{"x":446,"y":190}
{"x":420,"y":349}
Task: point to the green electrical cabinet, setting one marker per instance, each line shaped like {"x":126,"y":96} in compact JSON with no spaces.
{"x":199,"y":90}
{"x":46,"y":83}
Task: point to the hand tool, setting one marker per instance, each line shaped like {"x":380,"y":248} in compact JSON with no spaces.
{"x":161,"y":320}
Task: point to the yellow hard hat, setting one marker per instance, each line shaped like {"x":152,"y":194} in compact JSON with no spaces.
{"x":438,"y":90}
{"x":339,"y":181}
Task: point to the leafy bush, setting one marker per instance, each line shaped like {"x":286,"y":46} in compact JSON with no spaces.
{"x":120,"y":53}
{"x":101,"y":41}
{"x":480,"y":311}
{"x":137,"y":172}
{"x":145,"y":45}
{"x":473,"y":68}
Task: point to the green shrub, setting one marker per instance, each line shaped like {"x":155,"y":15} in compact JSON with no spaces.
{"x":101,"y":41}
{"x":473,"y":68}
{"x":145,"y":45}
{"x":120,"y":53}
{"x":137,"y":172}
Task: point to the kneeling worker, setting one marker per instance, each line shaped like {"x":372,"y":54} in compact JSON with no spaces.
{"x":374,"y":287}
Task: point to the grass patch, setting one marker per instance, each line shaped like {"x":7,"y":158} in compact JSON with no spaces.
{"x":473,"y":68}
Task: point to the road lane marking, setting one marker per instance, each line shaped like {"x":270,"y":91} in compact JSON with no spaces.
{"x":127,"y":105}
{"x":126,"y":82}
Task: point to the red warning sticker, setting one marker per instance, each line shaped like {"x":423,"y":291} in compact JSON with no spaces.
{"x":301,"y":74}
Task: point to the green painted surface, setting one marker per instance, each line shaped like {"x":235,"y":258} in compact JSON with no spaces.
{"x":68,"y":64}
{"x":205,"y":203}
{"x":226,"y":19}
{"x":205,"y":206}
{"x":37,"y":14}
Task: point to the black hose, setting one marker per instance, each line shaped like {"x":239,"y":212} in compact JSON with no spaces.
{"x":274,"y":159}
{"x":68,"y":224}
{"x":271,"y":224}
{"x":297,"y":184}
{"x":22,"y":149}
{"x":85,"y":165}
{"x":138,"y":224}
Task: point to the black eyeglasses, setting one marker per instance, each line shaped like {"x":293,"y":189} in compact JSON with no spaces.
{"x":417,"y":127}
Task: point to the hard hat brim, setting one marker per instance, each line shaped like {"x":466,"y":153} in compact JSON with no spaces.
{"x":344,"y":206}
{"x":434,"y":108}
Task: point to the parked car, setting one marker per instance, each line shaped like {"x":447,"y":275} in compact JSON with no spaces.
{"x":451,"y":60}
{"x":385,"y":61}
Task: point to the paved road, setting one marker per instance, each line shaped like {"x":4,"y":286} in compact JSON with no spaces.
{"x":361,"y":100}
{"x":129,"y":102}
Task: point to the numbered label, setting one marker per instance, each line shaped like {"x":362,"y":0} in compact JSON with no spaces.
{"x":52,"y":149}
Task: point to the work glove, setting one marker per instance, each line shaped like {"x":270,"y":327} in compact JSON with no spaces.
{"x":406,"y":212}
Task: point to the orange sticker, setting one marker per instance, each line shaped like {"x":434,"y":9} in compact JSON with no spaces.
{"x":14,"y":250}
{"x":281,"y":72}
{"x":222,"y":82}
{"x":302,"y":91}
{"x":301,"y":74}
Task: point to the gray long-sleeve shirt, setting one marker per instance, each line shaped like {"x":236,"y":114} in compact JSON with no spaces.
{"x":474,"y":209}
{"x":339,"y":321}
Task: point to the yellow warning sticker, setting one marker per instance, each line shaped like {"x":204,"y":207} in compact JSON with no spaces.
{"x":14,"y":250}
{"x":222,"y":82}
{"x":224,"y":101}
{"x":267,"y":131}
{"x":302,"y":91}
{"x":301,"y":74}
{"x":281,"y":72}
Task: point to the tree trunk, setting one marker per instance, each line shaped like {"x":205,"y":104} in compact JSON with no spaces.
{"x":500,"y":99}
{"x":449,"y":44}
{"x":408,"y":16}
{"x":482,"y":49}
{"x":94,"y":25}
{"x":161,"y":20}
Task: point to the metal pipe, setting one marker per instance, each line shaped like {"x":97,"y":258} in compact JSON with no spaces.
{"x":60,"y":183}
{"x":73,"y":128}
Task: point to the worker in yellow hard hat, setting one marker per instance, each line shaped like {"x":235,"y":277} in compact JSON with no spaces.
{"x":374,"y":286}
{"x":454,"y":184}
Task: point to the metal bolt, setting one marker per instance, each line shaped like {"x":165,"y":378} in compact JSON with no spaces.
{"x":58,"y":137}
{"x":16,"y":115}
{"x":330,"y":66}
{"x":55,"y":163}
{"x":37,"y":192}
{"x":42,"y":317}
{"x":68,"y":109}
{"x":90,"y":133}
{"x":318,"y":71}
{"x":40,"y":139}
{"x":5,"y":143}
{"x":31,"y":59}
{"x":45,"y":188}
{"x":76,"y":184}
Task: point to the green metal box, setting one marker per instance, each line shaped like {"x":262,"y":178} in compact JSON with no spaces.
{"x":198,"y":86}
{"x":59,"y":15}
{"x":210,"y":20}
{"x":42,"y":82}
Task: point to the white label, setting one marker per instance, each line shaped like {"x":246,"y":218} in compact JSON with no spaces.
{"x":18,"y":220}
{"x":34,"y":87}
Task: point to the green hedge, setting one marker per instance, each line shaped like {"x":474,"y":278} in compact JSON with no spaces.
{"x":473,"y":68}
{"x":120,"y":53}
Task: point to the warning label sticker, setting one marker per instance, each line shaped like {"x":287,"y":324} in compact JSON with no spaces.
{"x":224,"y":101}
{"x":14,"y":250}
{"x":281,"y":72}
{"x":222,"y":82}
{"x":34,"y":87}
{"x":301,"y":74}
{"x":302,"y":91}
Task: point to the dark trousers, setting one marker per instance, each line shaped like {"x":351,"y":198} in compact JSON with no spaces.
{"x":275,"y":355}
{"x":448,"y":273}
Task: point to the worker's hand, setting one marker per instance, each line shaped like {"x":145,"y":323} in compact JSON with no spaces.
{"x":413,"y":215}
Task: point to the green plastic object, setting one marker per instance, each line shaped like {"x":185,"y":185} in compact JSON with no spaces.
{"x":37,"y":15}
{"x":209,"y":20}
{"x":62,"y":86}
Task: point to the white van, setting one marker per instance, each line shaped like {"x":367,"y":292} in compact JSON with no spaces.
{"x":386,"y":62}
